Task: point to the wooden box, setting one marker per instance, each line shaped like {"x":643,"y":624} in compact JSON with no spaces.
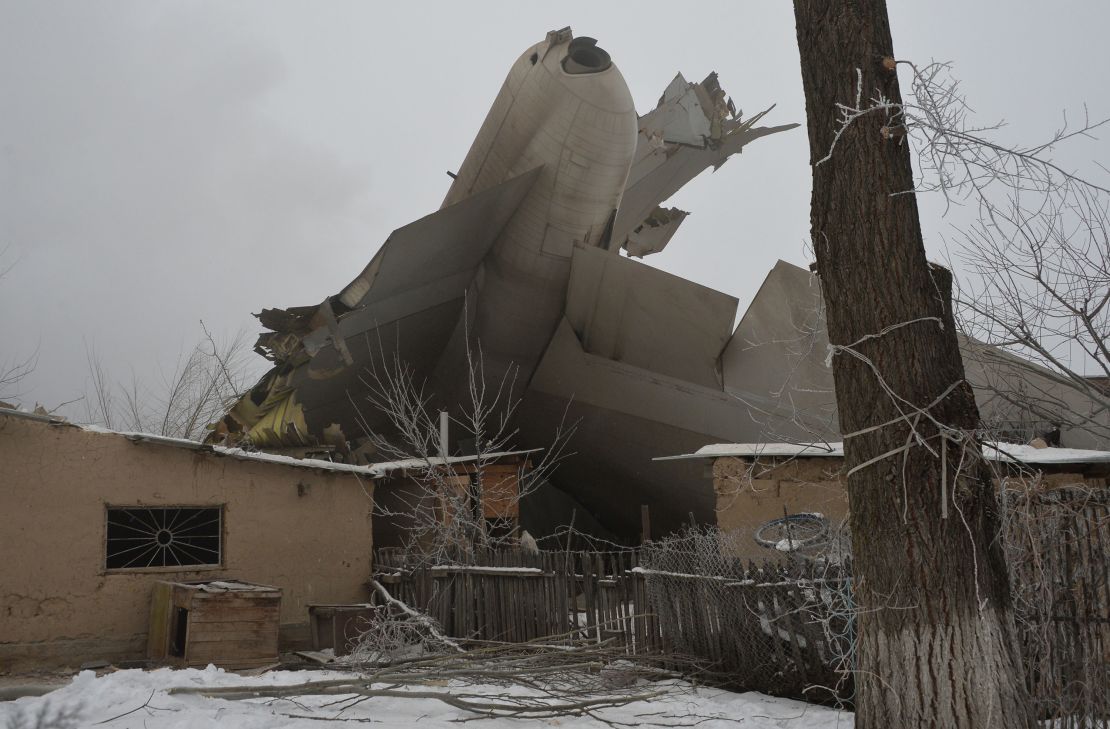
{"x":230,"y":623}
{"x":339,"y":626}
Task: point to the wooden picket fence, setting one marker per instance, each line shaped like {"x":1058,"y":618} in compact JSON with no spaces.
{"x":515,"y":596}
{"x":781,"y":629}
{"x":753,"y":629}
{"x":784,"y":629}
{"x":1059,"y":555}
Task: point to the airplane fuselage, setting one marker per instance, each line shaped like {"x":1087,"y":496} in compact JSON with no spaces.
{"x":579,"y":126}
{"x":520,"y":267}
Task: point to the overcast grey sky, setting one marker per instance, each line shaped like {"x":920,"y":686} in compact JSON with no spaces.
{"x":167,"y":162}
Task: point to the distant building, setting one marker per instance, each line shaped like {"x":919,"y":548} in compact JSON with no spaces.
{"x":755,"y":483}
{"x":786,"y":357}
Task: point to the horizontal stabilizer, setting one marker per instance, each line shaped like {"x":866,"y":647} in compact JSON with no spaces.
{"x":437,"y":246}
{"x":779,"y":348}
{"x":417,"y":279}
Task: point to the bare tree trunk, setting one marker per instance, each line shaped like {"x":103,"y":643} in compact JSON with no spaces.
{"x":936,"y":635}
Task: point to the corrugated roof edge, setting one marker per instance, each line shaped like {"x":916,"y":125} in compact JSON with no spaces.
{"x":375,"y":470}
{"x":1007,"y":452}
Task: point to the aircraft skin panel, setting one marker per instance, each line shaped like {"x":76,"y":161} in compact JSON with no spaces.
{"x":633,"y":313}
{"x":452,"y":240}
{"x":570,"y":372}
{"x":612,"y":472}
{"x":582,"y":129}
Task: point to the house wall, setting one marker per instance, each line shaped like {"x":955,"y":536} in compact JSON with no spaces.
{"x":751,"y":492}
{"x":305,"y":531}
{"x":406,"y":503}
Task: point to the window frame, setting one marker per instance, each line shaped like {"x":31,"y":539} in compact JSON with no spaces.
{"x":108,"y":507}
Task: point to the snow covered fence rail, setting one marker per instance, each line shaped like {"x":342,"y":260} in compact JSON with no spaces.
{"x":759,"y":626}
{"x":516,"y":596}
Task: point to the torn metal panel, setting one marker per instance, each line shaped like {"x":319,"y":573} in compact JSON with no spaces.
{"x":287,"y":327}
{"x":652,"y":235}
{"x":680,"y":117}
{"x":280,"y":422}
{"x":694,"y":127}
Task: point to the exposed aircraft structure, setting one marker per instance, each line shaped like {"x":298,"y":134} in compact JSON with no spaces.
{"x":561,"y":177}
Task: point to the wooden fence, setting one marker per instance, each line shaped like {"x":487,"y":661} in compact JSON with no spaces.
{"x":516,"y":596}
{"x":1058,"y":549}
{"x":780,"y":628}
{"x":753,"y":629}
{"x":784,"y":630}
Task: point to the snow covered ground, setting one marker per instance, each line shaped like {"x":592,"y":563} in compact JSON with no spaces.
{"x":114,"y":700}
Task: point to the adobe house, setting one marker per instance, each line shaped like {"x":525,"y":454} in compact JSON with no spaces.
{"x":513,"y":498}
{"x":407,"y":495}
{"x":755,"y":483}
{"x":93,"y":519}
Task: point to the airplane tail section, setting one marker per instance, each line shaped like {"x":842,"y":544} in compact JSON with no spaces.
{"x":438,"y":246}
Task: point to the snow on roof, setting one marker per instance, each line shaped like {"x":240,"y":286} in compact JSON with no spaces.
{"x":1029,"y":454}
{"x":374,"y":470}
{"x":416,"y":464}
{"x":761,"y":450}
{"x":992,"y":451}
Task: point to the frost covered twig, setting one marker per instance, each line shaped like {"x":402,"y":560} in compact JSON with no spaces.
{"x":447,"y":515}
{"x":576,"y":679}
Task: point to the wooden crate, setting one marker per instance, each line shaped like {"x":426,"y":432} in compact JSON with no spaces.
{"x":230,"y":623}
{"x":338,"y":626}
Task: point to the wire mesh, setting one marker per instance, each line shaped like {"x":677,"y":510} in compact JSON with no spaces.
{"x":783,"y":624}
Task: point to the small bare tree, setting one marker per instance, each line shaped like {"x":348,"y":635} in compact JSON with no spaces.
{"x":1034,"y":263}
{"x":1038,"y":282}
{"x":13,"y":369}
{"x":199,"y":391}
{"x":446,"y":514}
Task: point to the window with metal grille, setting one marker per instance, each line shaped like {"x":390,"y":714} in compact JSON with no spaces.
{"x":175,"y":536}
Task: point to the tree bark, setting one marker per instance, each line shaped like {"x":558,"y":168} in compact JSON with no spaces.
{"x":937,"y":643}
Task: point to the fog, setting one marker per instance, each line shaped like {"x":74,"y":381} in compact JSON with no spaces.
{"x":163,"y":163}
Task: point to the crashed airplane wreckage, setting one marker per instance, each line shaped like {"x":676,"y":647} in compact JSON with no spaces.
{"x":524,"y":257}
